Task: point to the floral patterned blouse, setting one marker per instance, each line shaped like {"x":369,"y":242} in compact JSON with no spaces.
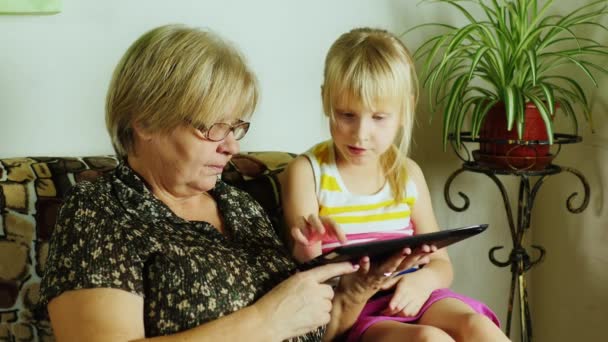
{"x":113,"y":233}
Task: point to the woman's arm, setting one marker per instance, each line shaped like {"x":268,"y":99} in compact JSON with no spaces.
{"x":296,"y":306}
{"x":106,"y":314}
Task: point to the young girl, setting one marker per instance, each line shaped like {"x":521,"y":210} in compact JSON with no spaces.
{"x":360,"y":186}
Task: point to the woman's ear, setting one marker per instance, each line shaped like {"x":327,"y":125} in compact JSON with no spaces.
{"x":141,"y":131}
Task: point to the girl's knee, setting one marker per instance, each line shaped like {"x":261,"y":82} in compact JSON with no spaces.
{"x":479,"y":327}
{"x":428,"y":333}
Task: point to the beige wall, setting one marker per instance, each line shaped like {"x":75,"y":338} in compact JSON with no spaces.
{"x":570,"y":296}
{"x":568,"y":291}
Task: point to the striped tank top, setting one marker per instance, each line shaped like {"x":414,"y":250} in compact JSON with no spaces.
{"x":361,"y":217}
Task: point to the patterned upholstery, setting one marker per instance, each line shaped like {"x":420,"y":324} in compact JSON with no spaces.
{"x":31,"y":192}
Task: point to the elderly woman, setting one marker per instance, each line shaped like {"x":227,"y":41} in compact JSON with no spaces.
{"x":160,"y":246}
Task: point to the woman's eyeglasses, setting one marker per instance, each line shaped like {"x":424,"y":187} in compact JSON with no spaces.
{"x":219,"y":130}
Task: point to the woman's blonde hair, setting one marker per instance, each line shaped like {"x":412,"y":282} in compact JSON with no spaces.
{"x":372,"y":65}
{"x":175,"y":75}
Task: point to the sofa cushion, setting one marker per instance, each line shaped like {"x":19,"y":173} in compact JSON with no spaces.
{"x":31,"y":192}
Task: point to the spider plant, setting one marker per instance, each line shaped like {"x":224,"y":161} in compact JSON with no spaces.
{"x":510,"y":58}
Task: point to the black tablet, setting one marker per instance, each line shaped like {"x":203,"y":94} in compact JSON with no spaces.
{"x":380,"y":249}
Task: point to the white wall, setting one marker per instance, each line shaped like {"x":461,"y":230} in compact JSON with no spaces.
{"x":54,"y":71}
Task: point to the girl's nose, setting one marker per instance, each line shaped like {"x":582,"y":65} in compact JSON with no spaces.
{"x":363,"y":129}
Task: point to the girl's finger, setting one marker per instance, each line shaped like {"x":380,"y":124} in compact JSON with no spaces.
{"x":390,"y":282}
{"x":365,"y":265}
{"x":315,"y":223}
{"x":396,"y":305}
{"x":304,"y":227}
{"x":334,"y":228}
{"x":391,"y":264}
{"x":411,"y":309}
{"x":424,"y":260}
{"x":299,"y":237}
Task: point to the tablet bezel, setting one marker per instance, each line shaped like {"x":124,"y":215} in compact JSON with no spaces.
{"x":379,"y":249}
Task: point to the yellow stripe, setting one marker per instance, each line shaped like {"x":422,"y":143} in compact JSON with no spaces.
{"x":410,"y":201}
{"x":326,"y":211}
{"x":371,"y":218}
{"x":329,"y":183}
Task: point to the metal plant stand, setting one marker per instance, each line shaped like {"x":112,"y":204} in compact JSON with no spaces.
{"x":530,"y":182}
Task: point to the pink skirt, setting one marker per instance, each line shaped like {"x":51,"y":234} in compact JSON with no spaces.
{"x":372,"y":312}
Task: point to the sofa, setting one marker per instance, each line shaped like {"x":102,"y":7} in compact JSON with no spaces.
{"x":32,"y":190}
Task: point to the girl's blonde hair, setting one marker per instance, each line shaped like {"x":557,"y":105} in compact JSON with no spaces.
{"x":175,"y":75}
{"x":372,"y":65}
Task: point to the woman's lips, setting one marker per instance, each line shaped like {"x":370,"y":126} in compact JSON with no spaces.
{"x":217,"y":168}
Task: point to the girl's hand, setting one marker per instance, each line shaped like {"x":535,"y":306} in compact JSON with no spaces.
{"x":408,"y":298}
{"x":303,"y":302}
{"x":424,"y":252}
{"x":310,"y":232}
{"x":362,"y":285}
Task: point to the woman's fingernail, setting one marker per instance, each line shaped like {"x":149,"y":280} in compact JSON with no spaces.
{"x":356,"y":267}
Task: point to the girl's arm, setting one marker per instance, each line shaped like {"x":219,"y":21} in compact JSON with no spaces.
{"x":355,"y":289}
{"x":301,"y":210}
{"x":294,"y":307}
{"x":438,"y":273}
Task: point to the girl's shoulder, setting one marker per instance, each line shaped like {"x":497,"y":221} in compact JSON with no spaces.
{"x":415,"y":175}
{"x":320,"y":153}
{"x":413,"y":169}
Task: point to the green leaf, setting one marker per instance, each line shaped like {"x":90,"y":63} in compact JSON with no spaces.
{"x":532,"y":61}
{"x":480,"y":53}
{"x":433,"y":53}
{"x":566,"y":106}
{"x":453,"y":99}
{"x":595,"y":66}
{"x":462,"y":10}
{"x":481,"y":114}
{"x":581,"y":66}
{"x":548,"y":92}
{"x":510,"y":105}
{"x":461,"y":114}
{"x":545,"y":115}
{"x":426,"y":25}
{"x":577,"y":88}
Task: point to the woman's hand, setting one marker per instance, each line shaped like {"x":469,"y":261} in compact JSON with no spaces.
{"x":308,"y":234}
{"x":370,"y":278}
{"x":303,"y":302}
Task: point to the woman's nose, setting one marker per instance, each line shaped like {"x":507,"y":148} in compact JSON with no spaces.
{"x":229,"y":145}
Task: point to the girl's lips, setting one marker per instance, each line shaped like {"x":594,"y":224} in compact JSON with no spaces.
{"x":356,"y":150}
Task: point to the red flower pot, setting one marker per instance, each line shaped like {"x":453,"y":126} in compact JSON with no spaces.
{"x":503,"y":149}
